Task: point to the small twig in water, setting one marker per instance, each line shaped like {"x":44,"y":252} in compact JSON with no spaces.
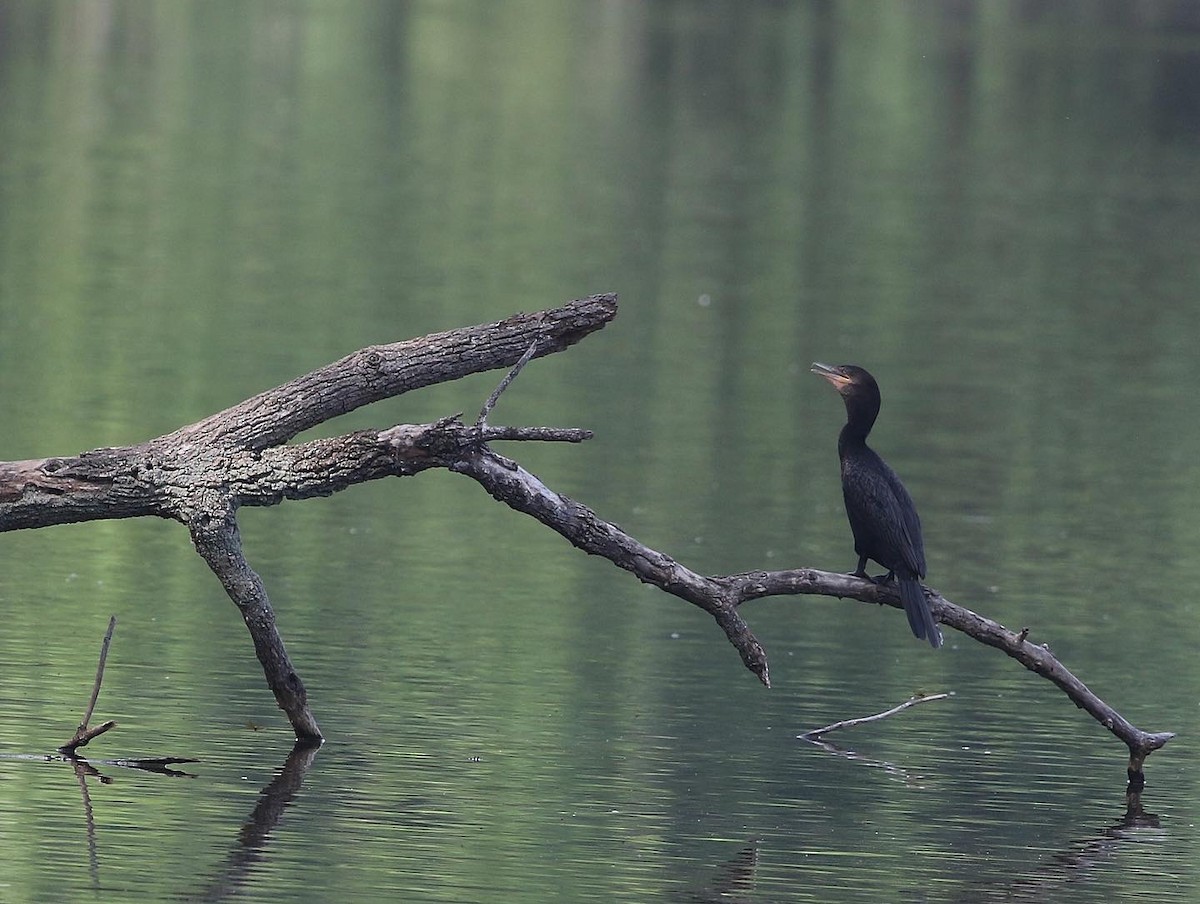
{"x":508,"y":378}
{"x":83,"y":734}
{"x":817,"y":733}
{"x":82,"y":738}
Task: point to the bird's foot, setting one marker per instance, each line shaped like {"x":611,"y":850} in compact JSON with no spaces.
{"x":861,"y":572}
{"x":874,"y":579}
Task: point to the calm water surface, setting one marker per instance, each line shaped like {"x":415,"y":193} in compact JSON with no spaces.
{"x":994,"y":207}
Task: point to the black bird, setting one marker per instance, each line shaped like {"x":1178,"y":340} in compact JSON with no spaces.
{"x":881,"y":513}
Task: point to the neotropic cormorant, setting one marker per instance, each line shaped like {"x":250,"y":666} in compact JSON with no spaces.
{"x":882,"y":516}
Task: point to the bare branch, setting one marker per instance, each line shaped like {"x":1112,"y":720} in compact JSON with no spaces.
{"x":504,"y":384}
{"x":384,"y":371}
{"x":91,"y":707}
{"x":83,"y":734}
{"x":219,"y":543}
{"x":235,"y":450}
{"x":722,"y":595}
{"x":816,"y":733}
{"x":513,"y":485}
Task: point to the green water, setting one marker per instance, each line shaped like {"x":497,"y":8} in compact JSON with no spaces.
{"x":993,"y":206}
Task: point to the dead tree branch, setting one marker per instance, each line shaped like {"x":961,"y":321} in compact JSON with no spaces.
{"x":215,"y":536}
{"x":721,"y":595}
{"x":481,"y":421}
{"x":200,"y":475}
{"x":816,"y":733}
{"x":83,"y":734}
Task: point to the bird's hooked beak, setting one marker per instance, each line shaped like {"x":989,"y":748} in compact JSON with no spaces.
{"x":833,"y":374}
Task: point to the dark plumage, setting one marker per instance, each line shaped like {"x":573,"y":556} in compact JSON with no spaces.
{"x":882,"y":516}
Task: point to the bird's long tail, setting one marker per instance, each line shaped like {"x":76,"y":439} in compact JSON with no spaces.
{"x":920,"y":619}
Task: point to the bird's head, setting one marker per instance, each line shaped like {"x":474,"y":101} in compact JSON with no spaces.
{"x":847,"y":379}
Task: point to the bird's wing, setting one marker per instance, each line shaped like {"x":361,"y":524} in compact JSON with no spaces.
{"x":883,"y":517}
{"x":912,"y":545}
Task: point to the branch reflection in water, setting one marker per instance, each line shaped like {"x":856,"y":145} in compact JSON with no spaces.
{"x":1073,"y":864}
{"x":732,"y":881}
{"x":85,"y":769}
{"x":738,"y":879}
{"x":251,"y":845}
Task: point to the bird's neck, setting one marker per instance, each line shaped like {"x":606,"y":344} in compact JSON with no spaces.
{"x":860,"y":418}
{"x":852,"y":439}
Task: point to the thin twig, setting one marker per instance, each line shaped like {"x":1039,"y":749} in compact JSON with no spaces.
{"x":91,"y":707}
{"x":508,"y":378}
{"x":83,"y":734}
{"x":816,"y":733}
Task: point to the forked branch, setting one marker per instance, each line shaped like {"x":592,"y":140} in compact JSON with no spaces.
{"x":722,"y":595}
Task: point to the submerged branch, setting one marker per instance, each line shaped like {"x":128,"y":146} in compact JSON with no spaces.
{"x":220,"y":545}
{"x":817,"y":733}
{"x":1037,"y":658}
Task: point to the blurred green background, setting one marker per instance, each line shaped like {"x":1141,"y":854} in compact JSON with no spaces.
{"x":995,"y":207}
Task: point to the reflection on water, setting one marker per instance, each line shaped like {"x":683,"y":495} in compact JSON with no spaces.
{"x":260,"y":848}
{"x":992,"y":206}
{"x":778,"y":864}
{"x":445,"y":804}
{"x":1070,"y":871}
{"x":255,"y":834}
